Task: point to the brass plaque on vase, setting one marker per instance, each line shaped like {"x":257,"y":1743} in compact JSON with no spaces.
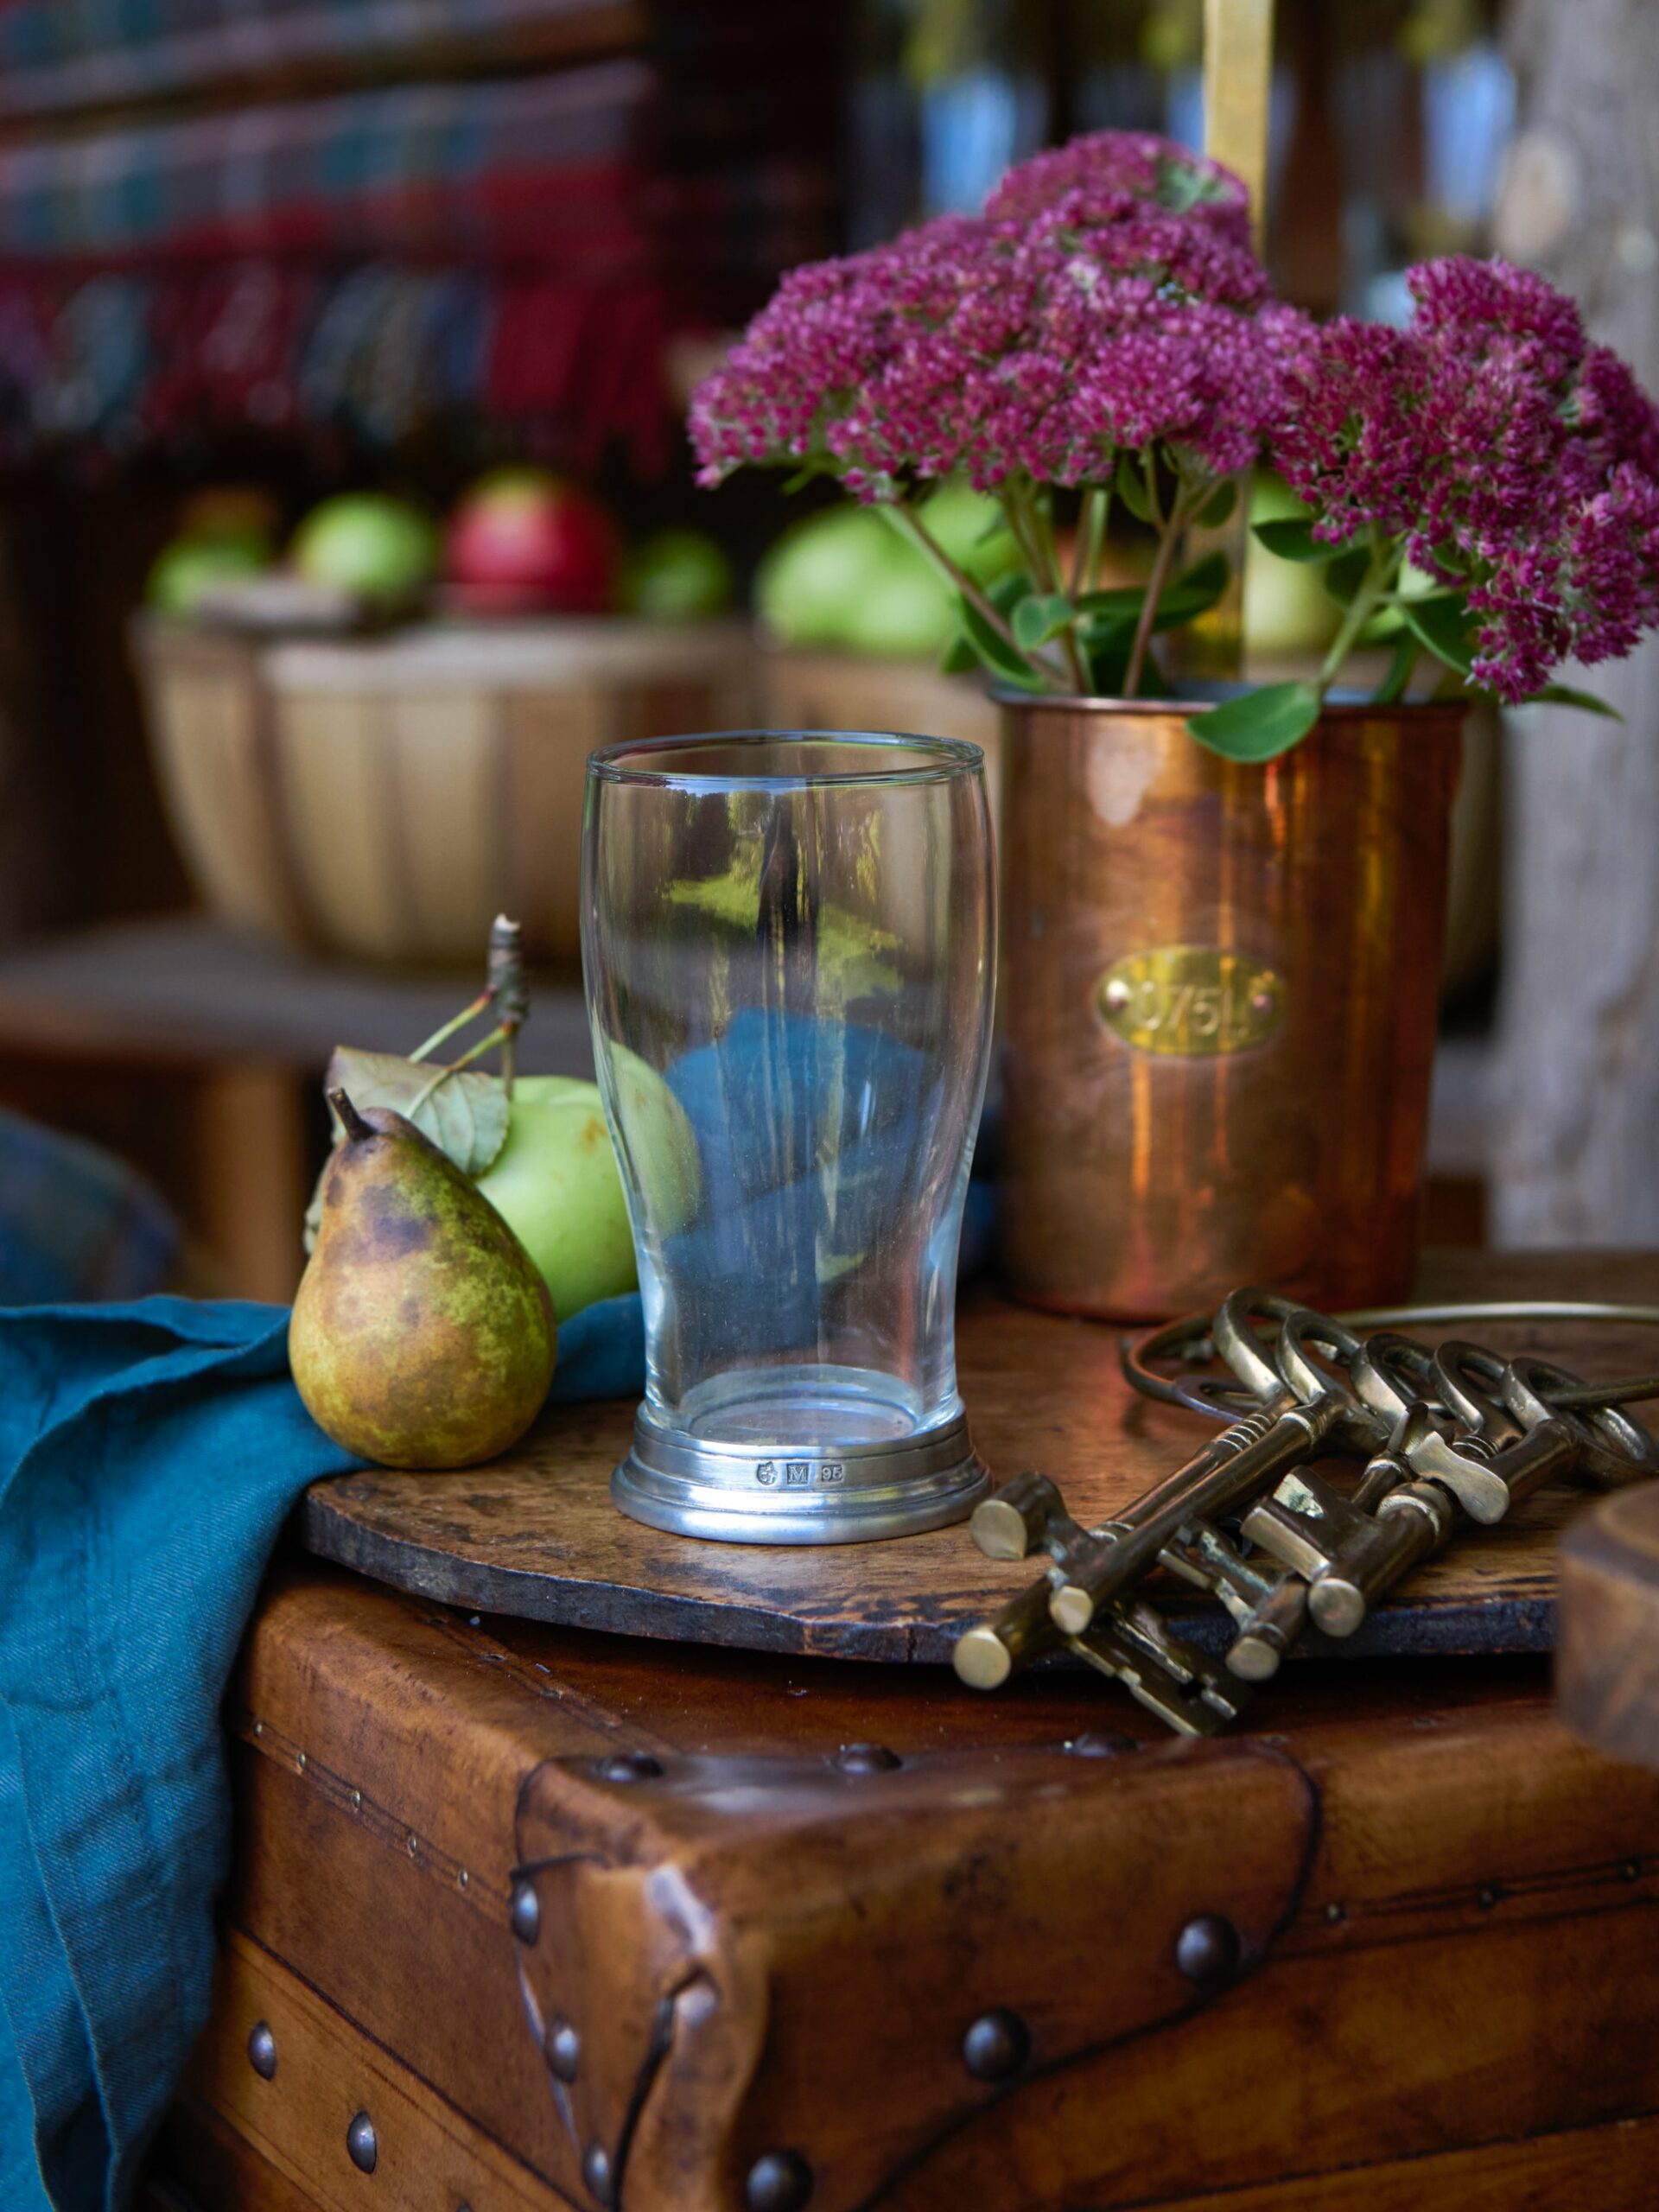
{"x":1192,"y":1000}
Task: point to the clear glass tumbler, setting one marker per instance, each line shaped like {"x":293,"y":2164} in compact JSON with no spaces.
{"x":788,"y":941}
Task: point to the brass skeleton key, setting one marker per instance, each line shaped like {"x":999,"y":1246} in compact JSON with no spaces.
{"x":1131,"y":1643}
{"x":1247,"y":1458}
{"x":1448,"y":1437}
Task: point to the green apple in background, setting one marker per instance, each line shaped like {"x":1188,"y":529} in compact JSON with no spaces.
{"x":970,"y":527}
{"x":810,"y":581}
{"x":555,"y":1183}
{"x":1288,"y":611}
{"x":196,"y":562}
{"x":367,"y":543}
{"x":849,"y":577}
{"x":676,"y":575}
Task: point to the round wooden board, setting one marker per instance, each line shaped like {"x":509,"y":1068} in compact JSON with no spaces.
{"x":535,"y":1534}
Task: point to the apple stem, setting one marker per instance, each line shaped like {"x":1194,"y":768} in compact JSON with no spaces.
{"x":473,"y":1052}
{"x":351,"y":1120}
{"x":480,"y":1005}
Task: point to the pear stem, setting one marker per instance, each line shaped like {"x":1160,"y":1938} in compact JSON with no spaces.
{"x":351,"y":1120}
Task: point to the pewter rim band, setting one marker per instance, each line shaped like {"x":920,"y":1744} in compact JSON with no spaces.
{"x":673,"y":1482}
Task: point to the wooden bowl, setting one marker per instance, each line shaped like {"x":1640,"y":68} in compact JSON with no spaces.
{"x":385,"y":798}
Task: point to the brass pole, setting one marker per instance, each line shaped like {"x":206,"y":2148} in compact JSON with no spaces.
{"x":1237,"y":91}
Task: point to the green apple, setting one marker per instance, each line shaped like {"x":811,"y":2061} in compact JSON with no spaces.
{"x":555,"y":1183}
{"x":367,"y":543}
{"x":1288,"y":611}
{"x":662,"y":1145}
{"x":809,"y":582}
{"x":194,"y":563}
{"x":848,"y":577}
{"x":971,"y":528}
{"x":676,"y":575}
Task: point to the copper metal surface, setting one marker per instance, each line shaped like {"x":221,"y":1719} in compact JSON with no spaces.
{"x":1140,"y":1182}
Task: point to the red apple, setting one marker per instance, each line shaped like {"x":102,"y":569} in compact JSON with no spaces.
{"x":523,"y":538}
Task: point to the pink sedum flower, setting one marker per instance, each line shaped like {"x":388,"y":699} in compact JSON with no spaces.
{"x":1508,"y":453}
{"x":1107,"y":301}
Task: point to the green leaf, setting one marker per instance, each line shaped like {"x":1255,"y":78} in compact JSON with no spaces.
{"x":1008,"y":589}
{"x":1345,"y":574}
{"x":1259,"y":725}
{"x":1037,"y":620}
{"x":958,"y":656}
{"x":994,"y":649}
{"x":1131,"y":487}
{"x":466,"y":1116}
{"x":808,"y":472}
{"x":1220,"y":503}
{"x":1207,"y":578}
{"x":1444,"y":627}
{"x":1292,"y":539}
{"x":1191,"y":593}
{"x":1393,"y":686}
{"x":1107,"y":660}
{"x":1564,"y":694}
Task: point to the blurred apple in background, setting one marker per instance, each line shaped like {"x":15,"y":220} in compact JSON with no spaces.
{"x":226,"y":535}
{"x":524,"y":540}
{"x":369,"y":544}
{"x":676,"y":575}
{"x":1288,"y":613}
{"x":198,"y":563}
{"x":848,"y":577}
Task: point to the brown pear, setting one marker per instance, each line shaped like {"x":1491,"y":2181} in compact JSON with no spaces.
{"x":422,"y":1335}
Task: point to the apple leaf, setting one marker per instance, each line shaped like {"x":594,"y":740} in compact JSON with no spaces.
{"x":1259,"y":725}
{"x":466,"y":1117}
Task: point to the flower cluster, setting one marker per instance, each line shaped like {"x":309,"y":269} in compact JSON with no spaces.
{"x":1109,"y":174}
{"x":1107,"y":301}
{"x":1509,"y":456}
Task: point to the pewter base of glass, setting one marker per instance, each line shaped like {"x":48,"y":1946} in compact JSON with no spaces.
{"x":760,"y":1493}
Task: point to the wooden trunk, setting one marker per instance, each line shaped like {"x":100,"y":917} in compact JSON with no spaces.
{"x":533,"y":1917}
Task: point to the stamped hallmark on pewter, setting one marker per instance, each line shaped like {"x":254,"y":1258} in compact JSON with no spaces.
{"x":799,"y":1474}
{"x":1191,"y":999}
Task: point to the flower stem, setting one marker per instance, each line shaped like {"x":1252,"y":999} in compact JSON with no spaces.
{"x":906,"y":519}
{"x":1035,"y":531}
{"x":1361,"y":608}
{"x":1092,"y":534}
{"x":1169,"y":538}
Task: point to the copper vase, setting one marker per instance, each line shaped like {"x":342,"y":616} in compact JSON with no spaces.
{"x":1218,"y":994}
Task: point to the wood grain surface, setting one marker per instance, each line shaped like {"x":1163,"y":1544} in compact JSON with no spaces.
{"x":1447,"y":1912}
{"x":535,"y":1535}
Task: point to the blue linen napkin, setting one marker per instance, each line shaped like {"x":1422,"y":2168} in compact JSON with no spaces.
{"x":149,"y":1454}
